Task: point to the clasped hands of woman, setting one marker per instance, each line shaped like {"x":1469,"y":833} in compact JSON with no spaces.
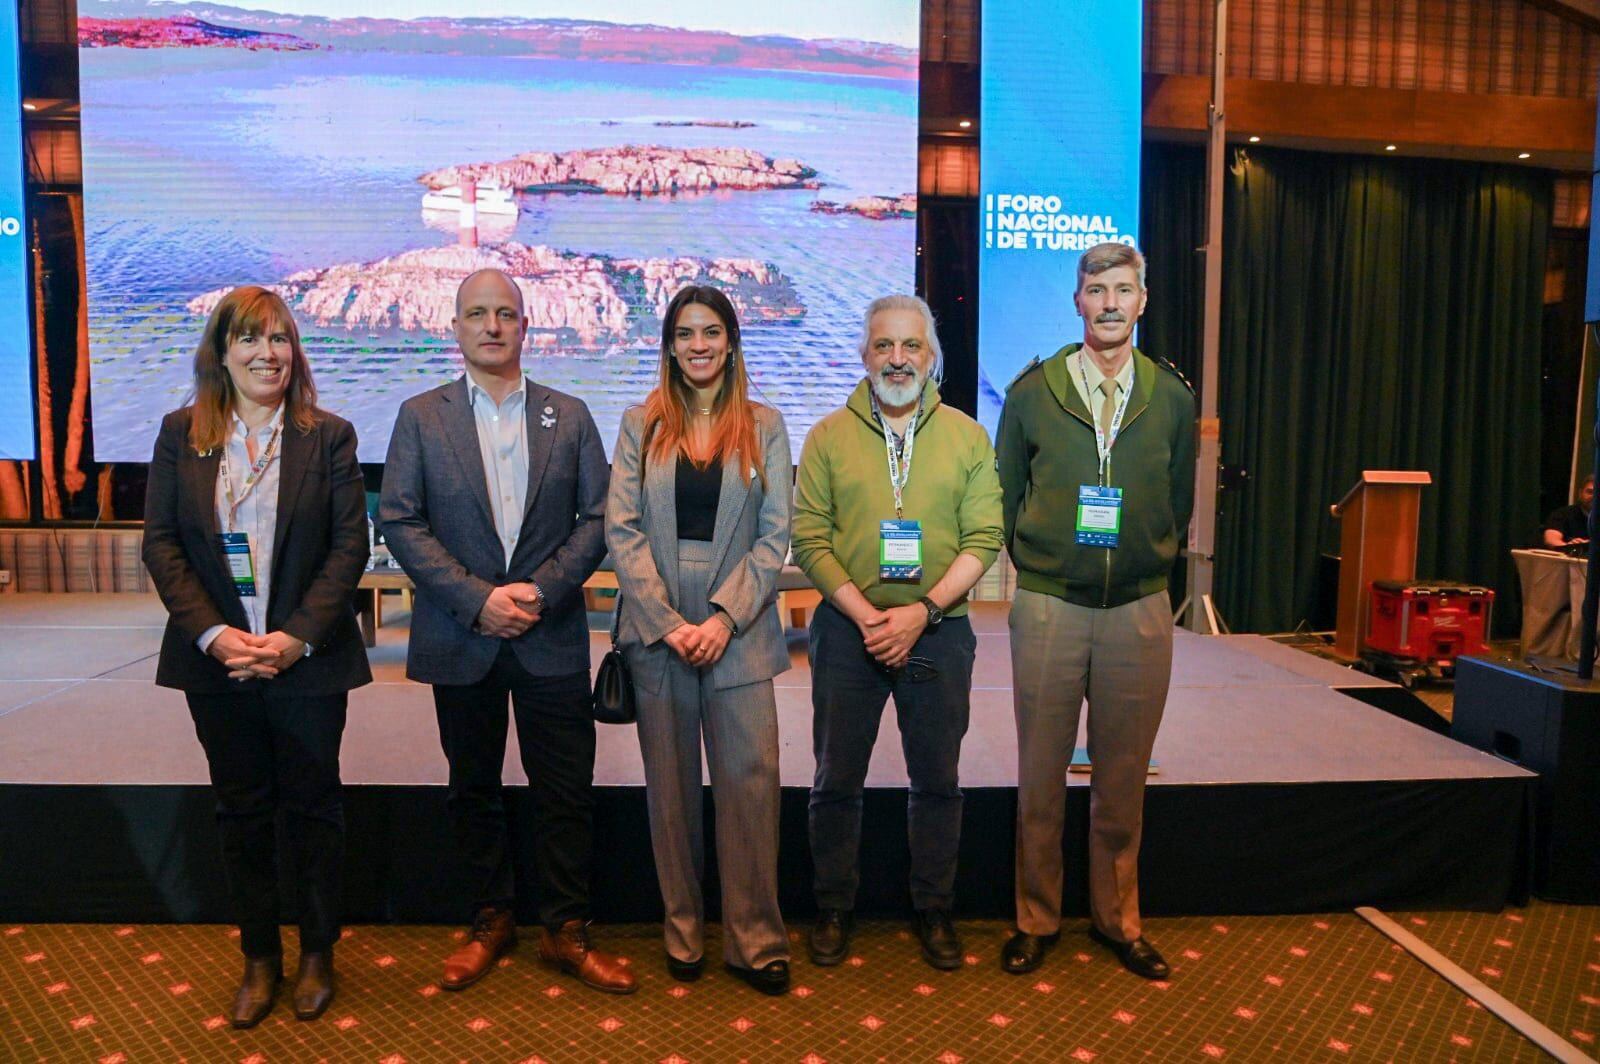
{"x":250,"y":656}
{"x":701,"y":645}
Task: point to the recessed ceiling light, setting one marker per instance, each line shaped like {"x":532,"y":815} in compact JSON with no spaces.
{"x":1523,"y":155}
{"x":965,"y":123}
{"x":1255,"y":140}
{"x":1388,"y":147}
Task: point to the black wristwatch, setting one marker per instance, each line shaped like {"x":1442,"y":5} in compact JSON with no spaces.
{"x":935,"y":614}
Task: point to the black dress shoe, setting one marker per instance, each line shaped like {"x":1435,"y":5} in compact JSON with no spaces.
{"x":941,"y":947}
{"x":685,"y":971}
{"x":1024,"y":952}
{"x":771,"y":978}
{"x":830,"y":937}
{"x":1138,"y":956}
{"x":313,"y":986}
{"x":257,"y":991}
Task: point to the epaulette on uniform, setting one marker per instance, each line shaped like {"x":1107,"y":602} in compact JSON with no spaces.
{"x":1167,"y":365}
{"x":1032,"y":365}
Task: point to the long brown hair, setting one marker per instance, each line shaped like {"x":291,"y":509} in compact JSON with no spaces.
{"x":733,"y":421}
{"x":248,"y":309}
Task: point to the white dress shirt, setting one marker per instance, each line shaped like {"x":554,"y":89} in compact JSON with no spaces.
{"x":503,"y":444}
{"x":257,"y":515}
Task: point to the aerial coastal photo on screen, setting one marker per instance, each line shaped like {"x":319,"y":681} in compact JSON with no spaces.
{"x":363,"y":164}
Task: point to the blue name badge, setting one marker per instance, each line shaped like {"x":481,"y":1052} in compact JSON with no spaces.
{"x":1099,"y":516}
{"x":900,"y":551}
{"x":241,"y":567}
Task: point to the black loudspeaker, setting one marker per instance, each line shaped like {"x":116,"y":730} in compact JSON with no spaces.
{"x":1547,"y":721}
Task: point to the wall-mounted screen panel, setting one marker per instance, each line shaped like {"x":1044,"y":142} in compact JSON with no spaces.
{"x":16,"y":388}
{"x":611,"y":150}
{"x":1058,"y":170}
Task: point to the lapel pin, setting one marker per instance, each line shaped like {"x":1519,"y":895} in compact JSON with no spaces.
{"x":547,"y":419}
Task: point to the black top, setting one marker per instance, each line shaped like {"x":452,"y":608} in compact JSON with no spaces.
{"x":1571,"y":521}
{"x":697,"y":491}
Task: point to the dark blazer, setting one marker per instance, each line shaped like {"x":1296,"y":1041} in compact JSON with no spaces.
{"x":318,"y":555}
{"x":436,"y":518}
{"x":748,"y":547}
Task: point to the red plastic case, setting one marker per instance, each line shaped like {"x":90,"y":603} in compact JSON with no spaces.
{"x":1429,"y":622}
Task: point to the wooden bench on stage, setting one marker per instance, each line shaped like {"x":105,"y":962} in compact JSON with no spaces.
{"x":795,"y":595}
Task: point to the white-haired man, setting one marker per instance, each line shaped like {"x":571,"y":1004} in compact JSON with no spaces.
{"x":897,"y":515}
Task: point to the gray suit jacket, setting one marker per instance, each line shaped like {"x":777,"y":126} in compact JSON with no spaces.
{"x":436,"y":517}
{"x":749,"y":545}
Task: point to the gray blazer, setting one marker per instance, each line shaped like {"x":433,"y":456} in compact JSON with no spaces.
{"x":748,"y":546}
{"x":435,"y":515}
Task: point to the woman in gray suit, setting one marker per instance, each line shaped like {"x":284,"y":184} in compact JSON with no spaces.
{"x":698,"y":526}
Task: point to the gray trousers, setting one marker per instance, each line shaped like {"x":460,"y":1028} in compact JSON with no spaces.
{"x":1122,"y":659}
{"x":740,"y":726}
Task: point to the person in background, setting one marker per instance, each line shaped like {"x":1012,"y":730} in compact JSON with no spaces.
{"x":255,"y":537}
{"x":897,"y":516}
{"x":698,"y":526}
{"x":1569,"y":525}
{"x":493,"y":503}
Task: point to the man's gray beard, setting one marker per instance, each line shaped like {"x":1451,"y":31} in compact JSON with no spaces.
{"x":897,"y":394}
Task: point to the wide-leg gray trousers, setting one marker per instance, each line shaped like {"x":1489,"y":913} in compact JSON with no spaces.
{"x":740,"y":729}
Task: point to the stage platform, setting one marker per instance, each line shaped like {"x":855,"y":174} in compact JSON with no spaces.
{"x":1279,"y":789}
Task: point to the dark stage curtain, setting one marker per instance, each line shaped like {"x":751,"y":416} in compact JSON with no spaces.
{"x":1172,"y":227}
{"x":1377,"y":314}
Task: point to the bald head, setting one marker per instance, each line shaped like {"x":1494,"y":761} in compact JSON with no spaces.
{"x":490,"y":323}
{"x":485,"y":280}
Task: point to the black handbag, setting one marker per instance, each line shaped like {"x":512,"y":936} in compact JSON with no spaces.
{"x":613,"y":687}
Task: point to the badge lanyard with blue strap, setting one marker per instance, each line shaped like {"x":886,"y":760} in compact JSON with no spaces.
{"x":1100,"y":505}
{"x":900,"y":541}
{"x":236,"y":545}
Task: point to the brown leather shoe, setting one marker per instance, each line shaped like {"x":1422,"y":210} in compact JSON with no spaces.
{"x":257,"y":990}
{"x":494,"y":931}
{"x":569,"y":950}
{"x":313,"y":985}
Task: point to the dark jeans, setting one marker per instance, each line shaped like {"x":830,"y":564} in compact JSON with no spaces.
{"x":273,"y":755}
{"x":848,"y":692}
{"x":555,"y":732}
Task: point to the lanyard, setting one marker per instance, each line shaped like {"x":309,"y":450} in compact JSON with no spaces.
{"x":900,"y":467}
{"x":257,"y":468}
{"x":1104,"y":441}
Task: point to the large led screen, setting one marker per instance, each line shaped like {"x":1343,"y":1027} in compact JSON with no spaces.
{"x":16,"y":395}
{"x":364,"y":155}
{"x":1058,"y":171}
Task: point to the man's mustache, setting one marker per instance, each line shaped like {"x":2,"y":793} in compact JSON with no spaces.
{"x":1110,"y":316}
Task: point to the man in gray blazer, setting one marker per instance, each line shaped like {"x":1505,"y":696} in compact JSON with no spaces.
{"x":493,"y":502}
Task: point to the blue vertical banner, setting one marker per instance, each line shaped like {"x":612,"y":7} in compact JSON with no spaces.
{"x":16,"y":389}
{"x":1062,"y":109}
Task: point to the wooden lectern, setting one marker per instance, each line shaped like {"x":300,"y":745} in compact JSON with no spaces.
{"x":1377,"y":541}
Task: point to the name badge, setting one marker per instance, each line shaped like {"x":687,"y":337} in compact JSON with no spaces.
{"x":900,"y":551}
{"x":1099,"y":516}
{"x":241,"y":565}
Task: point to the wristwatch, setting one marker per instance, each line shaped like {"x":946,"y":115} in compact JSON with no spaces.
{"x":935,"y":614}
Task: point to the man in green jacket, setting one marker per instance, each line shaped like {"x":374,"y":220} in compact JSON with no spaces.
{"x":897,"y":515}
{"x":1097,"y":452}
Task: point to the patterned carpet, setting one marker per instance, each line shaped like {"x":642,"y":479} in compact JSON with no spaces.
{"x":1288,"y":988}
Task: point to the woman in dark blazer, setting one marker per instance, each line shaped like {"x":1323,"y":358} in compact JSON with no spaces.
{"x":698,"y":526}
{"x":255,"y":537}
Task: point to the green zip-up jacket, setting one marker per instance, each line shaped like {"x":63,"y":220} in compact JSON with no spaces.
{"x":1047,"y":451}
{"x":842,"y":492}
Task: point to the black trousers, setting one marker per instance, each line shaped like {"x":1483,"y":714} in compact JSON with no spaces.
{"x":848,"y":693}
{"x":274,"y":762}
{"x":555,"y":733}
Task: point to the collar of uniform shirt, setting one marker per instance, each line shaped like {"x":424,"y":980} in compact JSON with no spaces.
{"x":1091,"y":370}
